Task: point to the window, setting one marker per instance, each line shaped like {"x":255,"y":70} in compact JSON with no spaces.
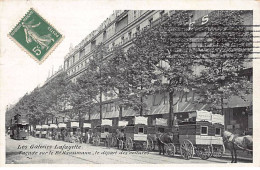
{"x":106,"y":129}
{"x":204,"y":130}
{"x":138,"y":29}
{"x":104,"y":35}
{"x":82,"y":53}
{"x":68,"y":64}
{"x":134,"y":14}
{"x":140,"y":130}
{"x":130,"y":35}
{"x":162,"y":12}
{"x":93,"y":44}
{"x":218,"y":132}
{"x":150,"y":21}
{"x":122,"y":39}
{"x":122,"y":23}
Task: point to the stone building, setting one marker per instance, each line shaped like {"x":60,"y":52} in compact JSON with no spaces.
{"x":118,"y":30}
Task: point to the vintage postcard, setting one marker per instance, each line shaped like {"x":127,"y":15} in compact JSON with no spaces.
{"x":151,"y":82}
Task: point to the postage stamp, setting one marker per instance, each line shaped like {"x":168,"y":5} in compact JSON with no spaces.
{"x":35,"y":36}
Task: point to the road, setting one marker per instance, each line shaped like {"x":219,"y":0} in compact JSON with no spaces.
{"x":44,"y":151}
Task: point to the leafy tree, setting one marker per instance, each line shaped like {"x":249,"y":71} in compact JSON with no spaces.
{"x":167,"y":46}
{"x":79,"y":100}
{"x":224,"y":50}
{"x":94,"y":80}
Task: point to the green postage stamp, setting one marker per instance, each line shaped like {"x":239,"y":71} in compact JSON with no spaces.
{"x":35,"y":36}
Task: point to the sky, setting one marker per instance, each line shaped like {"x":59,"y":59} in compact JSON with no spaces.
{"x":19,"y":72}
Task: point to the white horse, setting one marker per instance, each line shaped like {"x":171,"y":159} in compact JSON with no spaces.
{"x":234,"y":142}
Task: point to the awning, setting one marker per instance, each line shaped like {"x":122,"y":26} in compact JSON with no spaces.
{"x":236,"y":101}
{"x":159,"y":104}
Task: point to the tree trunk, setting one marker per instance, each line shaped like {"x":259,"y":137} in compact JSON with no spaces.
{"x":120,"y":108}
{"x":222,"y":107}
{"x":120,"y":112}
{"x":141,"y":109}
{"x":89,"y":114}
{"x":100,"y":105}
{"x":171,"y":108}
{"x":141,"y":99}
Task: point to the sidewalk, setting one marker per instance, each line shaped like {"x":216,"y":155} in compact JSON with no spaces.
{"x":241,"y":156}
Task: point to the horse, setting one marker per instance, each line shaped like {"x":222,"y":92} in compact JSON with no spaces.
{"x":234,"y":142}
{"x":162,"y":139}
{"x":120,"y":136}
{"x":108,"y":140}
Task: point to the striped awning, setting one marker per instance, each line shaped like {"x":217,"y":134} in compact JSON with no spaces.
{"x":159,"y":104}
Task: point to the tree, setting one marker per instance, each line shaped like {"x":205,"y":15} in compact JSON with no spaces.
{"x":167,"y":46}
{"x":95,"y":78}
{"x":223,"y":51}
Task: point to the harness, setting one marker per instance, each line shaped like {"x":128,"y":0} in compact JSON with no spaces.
{"x":161,"y":140}
{"x":231,"y":139}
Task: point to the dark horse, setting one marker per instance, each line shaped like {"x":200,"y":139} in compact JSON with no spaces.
{"x":162,"y":139}
{"x":234,"y":142}
{"x":120,"y":136}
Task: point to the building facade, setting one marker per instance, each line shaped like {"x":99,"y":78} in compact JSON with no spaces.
{"x":120,"y":29}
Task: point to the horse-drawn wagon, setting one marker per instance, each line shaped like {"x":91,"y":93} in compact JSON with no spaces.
{"x":74,"y":133}
{"x":38,"y":130}
{"x":62,"y":131}
{"x":86,"y":132}
{"x":101,"y":132}
{"x":159,"y":127}
{"x":44,"y":130}
{"x":53,"y":131}
{"x":136,"y":134}
{"x":200,"y":135}
{"x":120,"y":133}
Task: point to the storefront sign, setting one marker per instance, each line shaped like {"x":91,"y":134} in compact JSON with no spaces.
{"x":199,"y":22}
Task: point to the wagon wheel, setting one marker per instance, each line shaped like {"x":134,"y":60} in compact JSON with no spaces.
{"x":150,"y":144}
{"x":187,"y":149}
{"x":129,"y":144}
{"x":217,"y":152}
{"x":121,"y":144}
{"x":170,"y":149}
{"x":204,"y":152}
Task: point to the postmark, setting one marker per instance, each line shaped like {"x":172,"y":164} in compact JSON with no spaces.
{"x":35,"y":36}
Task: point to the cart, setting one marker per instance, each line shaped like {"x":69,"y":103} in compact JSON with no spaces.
{"x":86,"y":132}
{"x":101,"y":132}
{"x":44,"y":130}
{"x":53,"y":131}
{"x":200,"y":135}
{"x":62,"y":131}
{"x":73,"y":135}
{"x":159,"y":126}
{"x":38,"y":130}
{"x":136,"y":134}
